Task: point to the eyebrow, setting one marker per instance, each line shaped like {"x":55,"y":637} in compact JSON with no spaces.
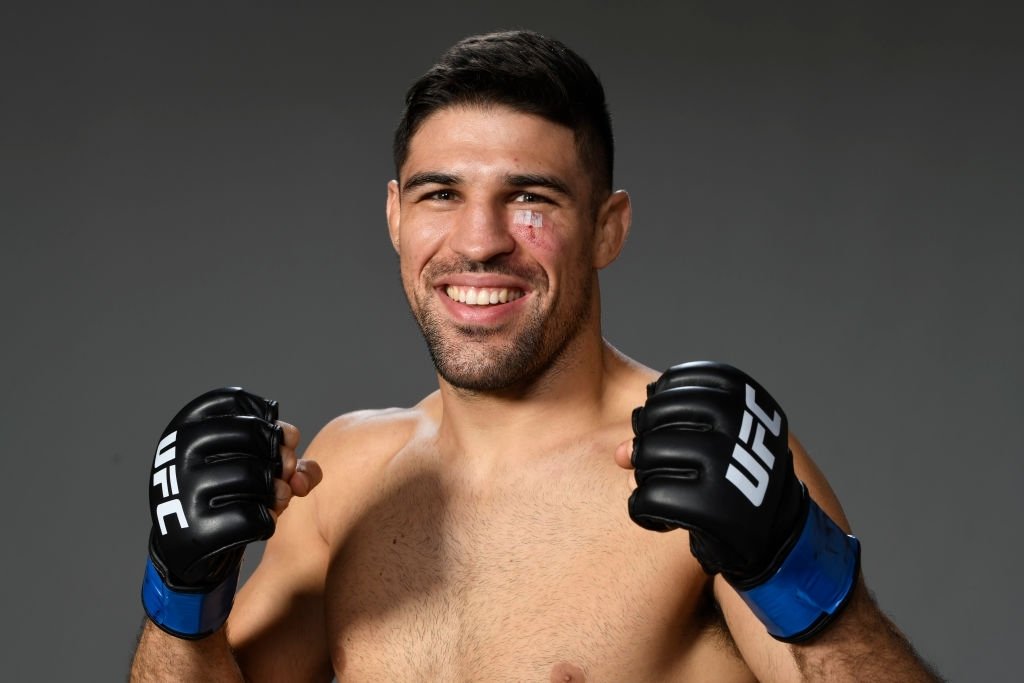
{"x":537,"y":180}
{"x":430,"y":178}
{"x":512,"y":180}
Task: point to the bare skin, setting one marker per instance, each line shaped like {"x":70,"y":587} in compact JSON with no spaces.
{"x":482,"y":535}
{"x":516,"y":563}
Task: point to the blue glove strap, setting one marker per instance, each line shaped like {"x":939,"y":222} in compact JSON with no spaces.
{"x":186,"y":615}
{"x":813,"y":582}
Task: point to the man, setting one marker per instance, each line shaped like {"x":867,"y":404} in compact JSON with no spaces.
{"x":483,"y":534}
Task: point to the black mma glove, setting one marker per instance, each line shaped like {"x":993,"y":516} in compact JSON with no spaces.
{"x":211,"y":491}
{"x":711,"y":455}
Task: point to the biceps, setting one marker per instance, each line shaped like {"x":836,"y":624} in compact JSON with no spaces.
{"x":277,"y":627}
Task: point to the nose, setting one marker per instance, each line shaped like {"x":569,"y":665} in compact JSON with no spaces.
{"x":480,"y":232}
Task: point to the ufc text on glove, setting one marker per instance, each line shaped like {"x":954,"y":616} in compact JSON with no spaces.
{"x":711,"y":455}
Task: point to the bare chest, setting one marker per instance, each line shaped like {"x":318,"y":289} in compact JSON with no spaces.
{"x":536,"y":576}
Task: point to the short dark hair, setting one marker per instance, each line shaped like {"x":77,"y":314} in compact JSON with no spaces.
{"x":526,"y":72}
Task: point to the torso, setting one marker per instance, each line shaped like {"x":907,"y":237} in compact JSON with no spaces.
{"x":531,"y":573}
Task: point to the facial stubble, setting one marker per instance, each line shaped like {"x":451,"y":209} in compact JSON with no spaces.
{"x":464,"y":358}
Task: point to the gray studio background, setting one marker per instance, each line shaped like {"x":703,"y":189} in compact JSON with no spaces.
{"x":827,"y":196}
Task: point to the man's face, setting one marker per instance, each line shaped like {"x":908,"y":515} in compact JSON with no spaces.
{"x":493,"y":222}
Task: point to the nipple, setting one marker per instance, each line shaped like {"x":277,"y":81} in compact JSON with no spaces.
{"x":563,"y":672}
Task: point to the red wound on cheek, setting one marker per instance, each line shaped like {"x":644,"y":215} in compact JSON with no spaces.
{"x":532,"y":227}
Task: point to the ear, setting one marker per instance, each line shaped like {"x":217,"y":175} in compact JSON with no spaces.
{"x":613,"y":221}
{"x":394,"y":212}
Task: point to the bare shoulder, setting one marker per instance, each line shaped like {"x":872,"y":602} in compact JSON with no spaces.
{"x":354,"y":448}
{"x":366,"y":435}
{"x":627,"y":379}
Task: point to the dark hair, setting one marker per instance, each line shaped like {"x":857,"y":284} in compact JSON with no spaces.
{"x":524,"y":71}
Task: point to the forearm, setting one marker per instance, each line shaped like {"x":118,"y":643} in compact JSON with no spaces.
{"x":861,"y":645}
{"x":162,"y":657}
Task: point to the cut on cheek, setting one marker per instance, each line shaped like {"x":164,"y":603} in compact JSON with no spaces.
{"x":534,"y":228}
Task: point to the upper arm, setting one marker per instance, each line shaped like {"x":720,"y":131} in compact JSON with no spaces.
{"x":277,"y":626}
{"x":771,"y":659}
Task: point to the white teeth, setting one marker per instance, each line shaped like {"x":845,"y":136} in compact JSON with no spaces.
{"x":482,"y":296}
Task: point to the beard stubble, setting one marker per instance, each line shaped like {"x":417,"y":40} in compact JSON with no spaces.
{"x":463,"y":356}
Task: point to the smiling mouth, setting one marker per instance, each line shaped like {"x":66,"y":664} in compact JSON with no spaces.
{"x":483,"y":296}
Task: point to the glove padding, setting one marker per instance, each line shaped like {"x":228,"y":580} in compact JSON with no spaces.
{"x":225,"y":447}
{"x":711,"y":455}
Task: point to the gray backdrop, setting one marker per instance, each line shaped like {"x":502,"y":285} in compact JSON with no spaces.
{"x":827,"y":196}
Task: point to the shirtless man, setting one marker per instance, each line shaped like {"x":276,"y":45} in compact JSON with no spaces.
{"x":484,"y":534}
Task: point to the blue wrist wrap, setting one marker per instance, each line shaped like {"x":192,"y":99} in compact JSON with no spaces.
{"x":186,"y":615}
{"x":813,"y":582}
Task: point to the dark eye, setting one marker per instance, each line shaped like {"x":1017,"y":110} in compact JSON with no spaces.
{"x":529,"y":198}
{"x":442,"y":195}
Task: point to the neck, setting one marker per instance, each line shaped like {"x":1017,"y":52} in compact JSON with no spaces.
{"x":567,"y":398}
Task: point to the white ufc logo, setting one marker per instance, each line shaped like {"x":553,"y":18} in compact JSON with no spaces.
{"x":754,"y":484}
{"x":167,"y":480}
